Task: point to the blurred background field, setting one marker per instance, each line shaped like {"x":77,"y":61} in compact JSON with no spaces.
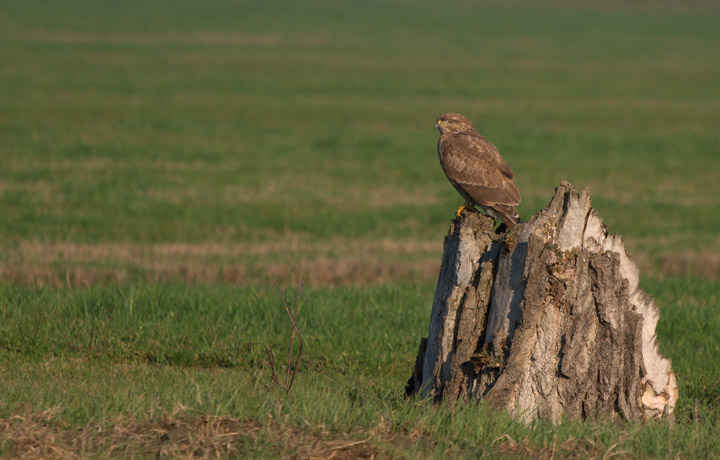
{"x":252,"y":141}
{"x":163,"y":163}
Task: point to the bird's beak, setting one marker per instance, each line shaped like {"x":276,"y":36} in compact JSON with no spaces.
{"x":439,"y":124}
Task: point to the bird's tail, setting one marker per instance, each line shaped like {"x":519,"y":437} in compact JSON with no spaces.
{"x":508,"y":214}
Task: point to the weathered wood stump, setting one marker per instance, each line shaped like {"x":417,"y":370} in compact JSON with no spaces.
{"x":546,"y":320}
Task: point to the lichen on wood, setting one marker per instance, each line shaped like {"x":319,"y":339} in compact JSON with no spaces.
{"x":546,"y":320}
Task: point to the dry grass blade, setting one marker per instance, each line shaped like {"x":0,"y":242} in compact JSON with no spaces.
{"x":348,"y":444}
{"x":332,"y":449}
{"x":504,"y":437}
{"x":609,"y":453}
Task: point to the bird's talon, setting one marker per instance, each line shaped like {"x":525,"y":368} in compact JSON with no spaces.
{"x":466,"y":206}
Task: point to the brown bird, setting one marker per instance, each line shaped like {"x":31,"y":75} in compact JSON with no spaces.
{"x":476,"y":169}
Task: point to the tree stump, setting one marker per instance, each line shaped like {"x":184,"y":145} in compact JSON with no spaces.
{"x":545,"y":320}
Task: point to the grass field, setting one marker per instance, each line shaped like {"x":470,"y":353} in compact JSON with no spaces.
{"x":166,"y":369}
{"x":162,"y":163}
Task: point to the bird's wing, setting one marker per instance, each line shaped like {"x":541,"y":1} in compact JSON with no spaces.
{"x":473,"y":163}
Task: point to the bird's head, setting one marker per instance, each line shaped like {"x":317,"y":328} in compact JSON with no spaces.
{"x":453,"y":123}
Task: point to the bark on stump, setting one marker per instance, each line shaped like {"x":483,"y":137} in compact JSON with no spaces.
{"x":546,"y":320}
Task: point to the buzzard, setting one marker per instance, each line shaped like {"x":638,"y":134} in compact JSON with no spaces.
{"x":476,"y":169}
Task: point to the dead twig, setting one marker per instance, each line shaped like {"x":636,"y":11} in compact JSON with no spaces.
{"x":295,"y":345}
{"x":271,"y":364}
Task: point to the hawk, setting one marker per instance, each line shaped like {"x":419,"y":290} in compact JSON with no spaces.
{"x":476,"y":169}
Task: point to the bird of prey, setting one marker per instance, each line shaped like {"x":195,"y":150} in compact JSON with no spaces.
{"x":476,"y":169}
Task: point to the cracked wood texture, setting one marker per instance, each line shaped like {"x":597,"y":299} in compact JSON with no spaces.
{"x":546,"y":320}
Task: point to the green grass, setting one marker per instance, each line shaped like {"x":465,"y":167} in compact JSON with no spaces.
{"x":148,"y":144}
{"x":244,"y":124}
{"x":138,"y":352}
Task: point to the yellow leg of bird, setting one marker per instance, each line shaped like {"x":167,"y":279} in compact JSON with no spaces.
{"x":466,"y":205}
